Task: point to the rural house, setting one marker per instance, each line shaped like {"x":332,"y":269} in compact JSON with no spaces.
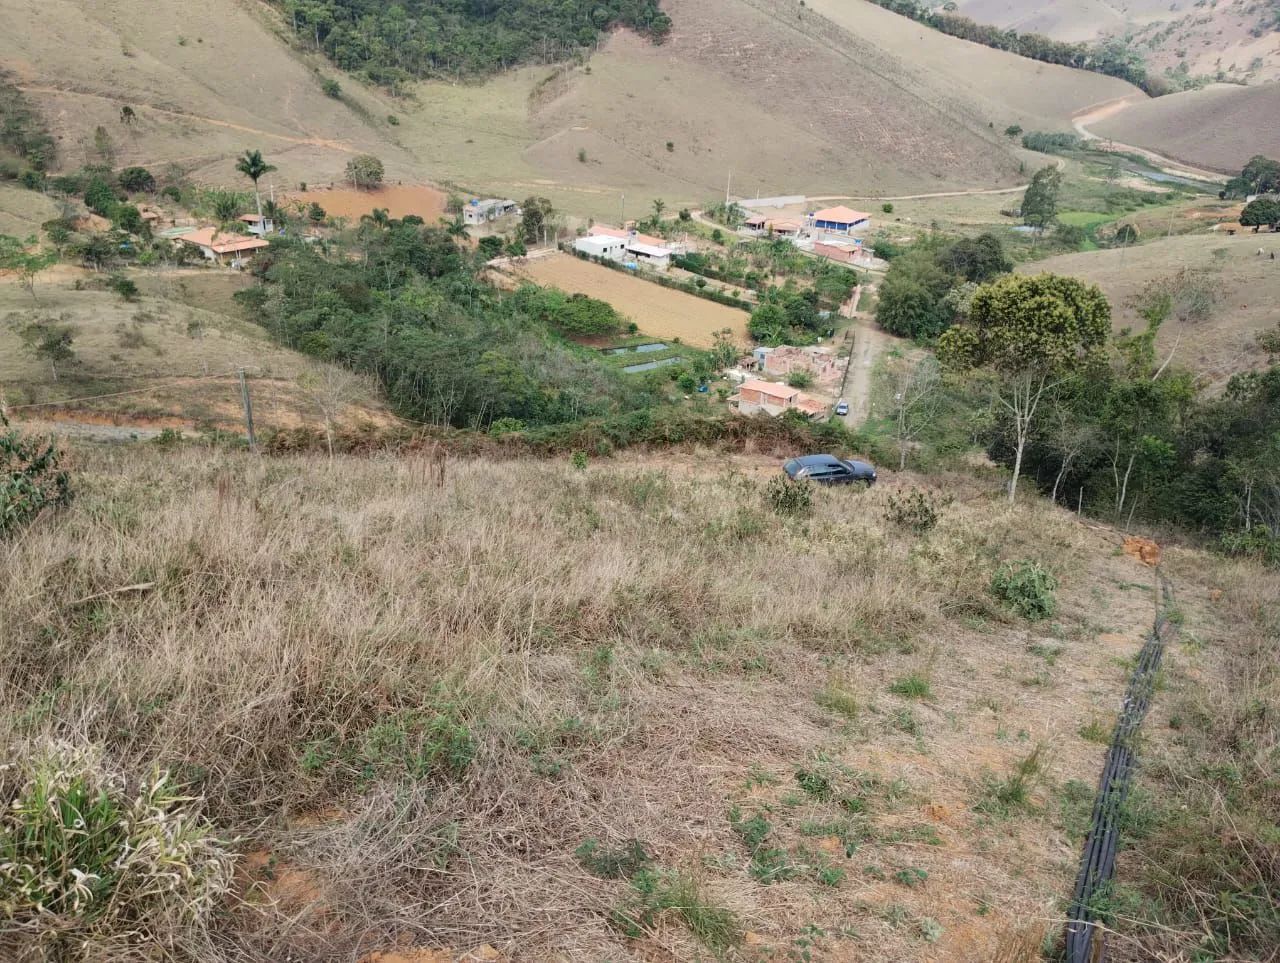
{"x":488,"y":209}
{"x":773,"y":399}
{"x":781,"y":361}
{"x":615,"y":244}
{"x":257,"y":226}
{"x":837,"y":220}
{"x":602,"y":246}
{"x":215,"y":246}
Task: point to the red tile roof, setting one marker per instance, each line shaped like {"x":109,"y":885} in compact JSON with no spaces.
{"x":770,"y":388}
{"x":601,"y":230}
{"x":223,"y":243}
{"x":841,"y":215}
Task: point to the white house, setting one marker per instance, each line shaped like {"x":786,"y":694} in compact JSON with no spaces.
{"x":258,"y":226}
{"x":602,"y":246}
{"x":650,"y":255}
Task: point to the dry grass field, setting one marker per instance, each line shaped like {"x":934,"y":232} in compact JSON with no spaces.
{"x":174,"y":352}
{"x":206,"y":82}
{"x":659,"y":312}
{"x":1219,"y":127}
{"x":410,"y":704}
{"x":1249,"y":287}
{"x":22,"y":211}
{"x":397,"y":200}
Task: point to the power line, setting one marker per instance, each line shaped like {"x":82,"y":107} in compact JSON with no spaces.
{"x":118,"y":394}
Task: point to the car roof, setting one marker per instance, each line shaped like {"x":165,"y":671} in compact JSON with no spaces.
{"x":812,"y":461}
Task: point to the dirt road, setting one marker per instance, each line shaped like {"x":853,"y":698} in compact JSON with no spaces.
{"x":869,"y":343}
{"x":1099,"y":112}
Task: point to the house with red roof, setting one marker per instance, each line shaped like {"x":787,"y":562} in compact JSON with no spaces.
{"x":837,"y":220}
{"x":215,"y":245}
{"x":773,"y":399}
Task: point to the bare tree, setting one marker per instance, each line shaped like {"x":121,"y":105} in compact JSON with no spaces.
{"x":910,"y":395}
{"x":331,"y":389}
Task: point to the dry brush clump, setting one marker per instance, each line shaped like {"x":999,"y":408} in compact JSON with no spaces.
{"x":424,"y":690}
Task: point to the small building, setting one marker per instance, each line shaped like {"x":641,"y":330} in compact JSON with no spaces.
{"x":755,"y":222}
{"x":785,"y":227}
{"x":482,"y":211}
{"x":837,"y":220}
{"x":650,"y":255}
{"x":217,"y":246}
{"x":773,"y":399}
{"x":602,"y":246}
{"x":257,"y":225}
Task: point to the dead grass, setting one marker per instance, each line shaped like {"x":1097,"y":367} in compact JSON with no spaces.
{"x":329,"y":655}
{"x":175,"y":351}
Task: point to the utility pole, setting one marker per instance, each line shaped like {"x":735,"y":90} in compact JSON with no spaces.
{"x":727,"y":184}
{"x":248,"y":412}
{"x":622,"y":212}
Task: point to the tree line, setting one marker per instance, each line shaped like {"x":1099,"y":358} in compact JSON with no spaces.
{"x":392,"y":43}
{"x":1112,"y":57}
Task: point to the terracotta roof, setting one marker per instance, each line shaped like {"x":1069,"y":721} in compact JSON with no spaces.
{"x":770,"y":388}
{"x":223,"y":243}
{"x":251,"y":218}
{"x":841,"y":215}
{"x":784,"y":225}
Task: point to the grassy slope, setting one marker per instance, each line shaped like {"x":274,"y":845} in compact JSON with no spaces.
{"x":1250,"y":286}
{"x":788,"y":103}
{"x":183,"y":329}
{"x":1220,"y":127}
{"x":206,"y":83}
{"x":629,"y":644}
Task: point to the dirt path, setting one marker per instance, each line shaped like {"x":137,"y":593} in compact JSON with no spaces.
{"x":212,"y":121}
{"x":1109,"y":108}
{"x":869,"y":343}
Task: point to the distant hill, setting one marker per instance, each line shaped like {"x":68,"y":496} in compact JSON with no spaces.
{"x":1241,"y":38}
{"x":1221,"y":126}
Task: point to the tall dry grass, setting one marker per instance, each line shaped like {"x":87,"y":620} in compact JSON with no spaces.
{"x":421,"y":697}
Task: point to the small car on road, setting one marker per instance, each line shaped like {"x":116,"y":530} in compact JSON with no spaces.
{"x":842,"y":408}
{"x":830,"y":470}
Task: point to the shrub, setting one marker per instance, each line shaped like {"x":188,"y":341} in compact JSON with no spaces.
{"x":800,"y":379}
{"x":916,"y":510}
{"x":104,"y":864}
{"x":331,"y":88}
{"x":30,"y":479}
{"x":1026,"y":588}
{"x":788,"y":497}
{"x":887,"y":207}
{"x":123,"y":286}
{"x":137,"y":180}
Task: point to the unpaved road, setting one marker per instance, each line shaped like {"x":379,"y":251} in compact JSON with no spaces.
{"x":1109,"y":108}
{"x":869,"y":343}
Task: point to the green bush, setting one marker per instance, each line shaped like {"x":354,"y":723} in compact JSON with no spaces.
{"x":30,"y":479}
{"x":916,"y":510}
{"x":1026,"y":588}
{"x":100,"y":865}
{"x":788,"y":497}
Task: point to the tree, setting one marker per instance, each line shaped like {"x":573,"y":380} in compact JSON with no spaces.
{"x":16,"y":256}
{"x":50,"y":340}
{"x":128,"y":218}
{"x":535,"y":214}
{"x":137,"y":180}
{"x":99,"y":197}
{"x":1265,"y":211}
{"x":365,"y":171}
{"x":455,"y":203}
{"x":127,"y":115}
{"x":331,"y":88}
{"x":1013,"y":130}
{"x":1261,"y":175}
{"x":909,"y":394}
{"x":315,"y":213}
{"x":1040,"y":203}
{"x":103,"y":147}
{"x":659,"y":205}
{"x":331,"y":389}
{"x":1032,"y":332}
{"x":252,"y":166}
{"x":800,"y":379}
{"x":887,"y":207}
{"x":226,"y":205}
{"x":455,"y":226}
{"x":977,"y":259}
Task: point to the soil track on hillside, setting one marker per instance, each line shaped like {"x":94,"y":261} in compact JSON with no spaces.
{"x":1109,"y":108}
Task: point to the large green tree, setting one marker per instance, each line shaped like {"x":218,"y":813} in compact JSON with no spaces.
{"x":1262,"y":212}
{"x":19,"y":256}
{"x":1033,"y":333}
{"x":1040,"y":202}
{"x":365,"y":171}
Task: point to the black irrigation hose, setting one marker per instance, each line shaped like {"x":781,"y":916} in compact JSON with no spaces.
{"x":1084,"y":941}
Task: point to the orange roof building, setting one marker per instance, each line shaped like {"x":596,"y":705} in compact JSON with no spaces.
{"x":838,"y":220}
{"x":215,"y":245}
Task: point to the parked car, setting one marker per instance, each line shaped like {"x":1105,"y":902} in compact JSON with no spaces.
{"x":842,"y":408}
{"x":830,"y":470}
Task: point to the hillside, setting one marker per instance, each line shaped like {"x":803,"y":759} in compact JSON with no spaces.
{"x":165,"y":360}
{"x":625,"y":712}
{"x":1248,"y":285}
{"x":205,"y":83}
{"x":1241,"y":38}
{"x":1220,"y":127}
{"x":866,"y":102}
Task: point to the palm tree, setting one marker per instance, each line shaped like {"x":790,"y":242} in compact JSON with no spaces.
{"x":454,"y":226}
{"x":252,"y":166}
{"x":379,"y":217}
{"x":659,"y":205}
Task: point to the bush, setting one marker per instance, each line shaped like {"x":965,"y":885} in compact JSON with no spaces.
{"x":887,"y":207}
{"x":916,"y":510}
{"x":800,"y":379}
{"x":30,"y":479}
{"x":1047,"y":142}
{"x":123,"y":286}
{"x":92,"y":860}
{"x":331,"y":88}
{"x":788,"y":497}
{"x":1026,"y":588}
{"x":137,"y":180}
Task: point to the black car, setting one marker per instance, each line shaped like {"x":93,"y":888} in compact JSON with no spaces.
{"x":830,"y":470}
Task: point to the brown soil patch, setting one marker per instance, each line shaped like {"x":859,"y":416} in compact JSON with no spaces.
{"x":1143,"y":549}
{"x":397,"y":199}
